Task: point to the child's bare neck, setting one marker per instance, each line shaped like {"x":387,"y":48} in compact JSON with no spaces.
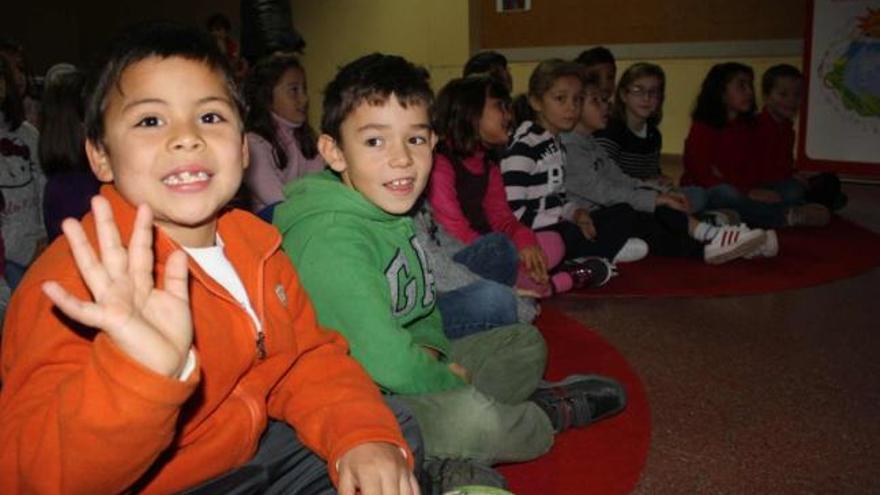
{"x":543,"y":123}
{"x":204,"y":235}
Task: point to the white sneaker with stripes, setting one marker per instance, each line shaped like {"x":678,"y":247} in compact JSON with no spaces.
{"x":732,"y":242}
{"x":769,"y":249}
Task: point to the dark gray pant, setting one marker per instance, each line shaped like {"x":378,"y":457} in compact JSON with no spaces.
{"x":283,"y":465}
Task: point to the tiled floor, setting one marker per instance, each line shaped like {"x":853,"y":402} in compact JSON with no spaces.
{"x":775,"y":393}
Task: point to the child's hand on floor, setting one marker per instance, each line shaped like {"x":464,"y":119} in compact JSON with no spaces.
{"x":535,"y":261}
{"x":152,"y":326}
{"x":460,"y":371}
{"x":376,"y":468}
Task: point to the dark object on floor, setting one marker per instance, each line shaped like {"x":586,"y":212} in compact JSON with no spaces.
{"x":825,"y":190}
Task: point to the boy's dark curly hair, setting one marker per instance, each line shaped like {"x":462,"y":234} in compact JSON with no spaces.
{"x":373,"y":79}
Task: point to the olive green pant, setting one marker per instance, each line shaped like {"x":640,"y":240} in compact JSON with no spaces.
{"x":489,"y":421}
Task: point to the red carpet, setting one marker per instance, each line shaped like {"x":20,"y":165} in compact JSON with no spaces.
{"x":605,"y":458}
{"x":807,"y":257}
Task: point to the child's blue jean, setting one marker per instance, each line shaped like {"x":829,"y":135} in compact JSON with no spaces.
{"x":697,"y":196}
{"x":791,"y":190}
{"x":492,"y":256}
{"x":753,"y":213}
{"x":479,"y":306}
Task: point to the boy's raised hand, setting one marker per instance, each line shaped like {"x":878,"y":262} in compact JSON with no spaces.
{"x":376,"y":468}
{"x":152,"y":326}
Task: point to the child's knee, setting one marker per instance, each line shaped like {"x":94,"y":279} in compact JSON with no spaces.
{"x":527,"y":341}
{"x":499,"y":302}
{"x":479,"y":421}
{"x":491,"y":431}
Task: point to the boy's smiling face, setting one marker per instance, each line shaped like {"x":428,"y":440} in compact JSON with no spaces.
{"x":173,"y":140}
{"x":385,"y":152}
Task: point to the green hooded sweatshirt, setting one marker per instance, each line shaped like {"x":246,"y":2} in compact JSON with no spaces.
{"x":369,"y":279}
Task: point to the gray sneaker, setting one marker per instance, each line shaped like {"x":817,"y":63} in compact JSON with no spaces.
{"x":448,"y":475}
{"x":579,"y":400}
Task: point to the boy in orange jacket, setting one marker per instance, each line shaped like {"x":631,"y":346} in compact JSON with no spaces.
{"x":115,"y":382}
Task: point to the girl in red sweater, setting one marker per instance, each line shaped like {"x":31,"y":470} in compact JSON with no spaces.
{"x":721,"y":153}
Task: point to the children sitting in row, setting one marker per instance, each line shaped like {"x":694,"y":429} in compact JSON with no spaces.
{"x":662,"y":219}
{"x":478,"y":399}
{"x":532,"y":170}
{"x":114,"y":381}
{"x":466,"y":190}
{"x":722,"y":154}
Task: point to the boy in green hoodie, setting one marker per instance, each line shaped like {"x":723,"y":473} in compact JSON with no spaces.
{"x":479,"y":399}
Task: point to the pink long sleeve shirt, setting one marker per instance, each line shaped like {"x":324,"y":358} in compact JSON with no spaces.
{"x":264,"y":179}
{"x":443,"y":196}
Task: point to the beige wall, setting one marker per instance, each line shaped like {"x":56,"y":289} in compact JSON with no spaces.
{"x":436,"y":34}
{"x":427,"y":32}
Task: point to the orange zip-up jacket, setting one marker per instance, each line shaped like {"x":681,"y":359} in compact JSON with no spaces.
{"x":77,"y":415}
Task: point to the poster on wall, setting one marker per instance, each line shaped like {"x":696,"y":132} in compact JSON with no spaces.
{"x":841,"y":122}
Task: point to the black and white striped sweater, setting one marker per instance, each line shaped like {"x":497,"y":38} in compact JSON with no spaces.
{"x":533,"y":174}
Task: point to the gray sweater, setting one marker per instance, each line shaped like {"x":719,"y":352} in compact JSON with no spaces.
{"x":593,"y":179}
{"x":448,"y":274}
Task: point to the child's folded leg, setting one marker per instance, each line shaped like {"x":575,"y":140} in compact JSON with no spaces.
{"x":492,"y":256}
{"x":475,"y":307}
{"x":505,"y":363}
{"x":465,"y":423}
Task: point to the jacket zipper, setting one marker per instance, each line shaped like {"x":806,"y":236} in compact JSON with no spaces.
{"x":259,"y":334}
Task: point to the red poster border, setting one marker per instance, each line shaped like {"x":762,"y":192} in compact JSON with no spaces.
{"x":803,"y":161}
